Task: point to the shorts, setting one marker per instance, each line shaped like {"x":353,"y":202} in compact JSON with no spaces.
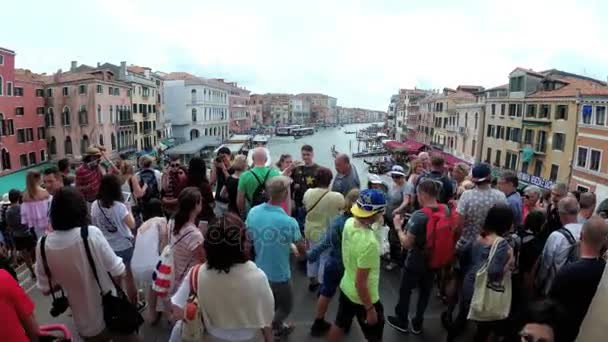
{"x":126,"y":255}
{"x":347,"y":310}
{"x":332,"y":275}
{"x":24,"y":243}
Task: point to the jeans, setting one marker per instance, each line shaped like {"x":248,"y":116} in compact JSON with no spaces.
{"x":283,"y":302}
{"x":409,"y":281}
{"x":317,"y":269}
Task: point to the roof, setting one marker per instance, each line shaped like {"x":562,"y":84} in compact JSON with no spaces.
{"x":175,"y":76}
{"x":573,"y":87}
{"x":529,"y":72}
{"x":500,"y":87}
{"x":137,"y":69}
{"x":194,"y":146}
{"x":233,"y":147}
{"x":410,"y":146}
{"x":25,"y":75}
{"x":7,"y":51}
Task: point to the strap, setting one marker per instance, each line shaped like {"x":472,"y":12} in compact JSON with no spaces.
{"x":194,"y":279}
{"x":180,"y":239}
{"x":568,"y":235}
{"x":260,"y":183}
{"x":317,"y":202}
{"x":47,"y":270}
{"x":107,"y":218}
{"x":84,"y":233}
{"x":494,"y":248}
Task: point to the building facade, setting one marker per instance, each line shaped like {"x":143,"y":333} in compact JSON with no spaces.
{"x":238,"y":107}
{"x":22,"y":132}
{"x":469,"y":129}
{"x":196,"y":107}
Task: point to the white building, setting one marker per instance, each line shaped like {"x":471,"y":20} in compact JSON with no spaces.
{"x":196,"y":107}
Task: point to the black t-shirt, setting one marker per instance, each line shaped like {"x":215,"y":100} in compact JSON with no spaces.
{"x":304,"y":177}
{"x":574,"y":288}
{"x":416,"y":225}
{"x":232,"y":185}
{"x":220,"y":180}
{"x":447,"y":186}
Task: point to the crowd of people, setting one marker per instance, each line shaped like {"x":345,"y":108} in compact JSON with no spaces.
{"x":212,"y":252}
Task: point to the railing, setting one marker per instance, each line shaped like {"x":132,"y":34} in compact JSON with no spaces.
{"x":127,"y":147}
{"x":125,"y":122}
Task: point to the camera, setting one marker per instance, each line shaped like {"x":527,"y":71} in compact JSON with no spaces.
{"x":59,"y":306}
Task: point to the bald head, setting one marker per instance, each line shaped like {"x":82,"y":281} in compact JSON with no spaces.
{"x":594,"y":234}
{"x":568,"y":209}
{"x":259,"y":156}
{"x":342,"y":163}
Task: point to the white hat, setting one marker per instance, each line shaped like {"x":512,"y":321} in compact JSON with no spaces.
{"x":397,"y":170}
{"x":374,"y":179}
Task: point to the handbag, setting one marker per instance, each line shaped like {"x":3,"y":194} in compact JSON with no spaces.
{"x":490,"y":302}
{"x":120,"y":315}
{"x":193,"y":327}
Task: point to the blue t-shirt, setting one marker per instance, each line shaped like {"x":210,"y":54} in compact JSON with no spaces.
{"x":272,"y":231}
{"x":516,"y":205}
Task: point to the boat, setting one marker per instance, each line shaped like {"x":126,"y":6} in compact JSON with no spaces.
{"x":350,"y":132}
{"x":298,"y":132}
{"x":260,"y":140}
{"x":286,"y":130}
{"x":371,"y":152}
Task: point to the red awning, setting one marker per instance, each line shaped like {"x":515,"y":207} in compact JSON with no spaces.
{"x":410,"y":146}
{"x":450,"y":159}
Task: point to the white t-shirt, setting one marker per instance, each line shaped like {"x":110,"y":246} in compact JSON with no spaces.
{"x":70,"y":269}
{"x":111,"y":222}
{"x":180,"y":298}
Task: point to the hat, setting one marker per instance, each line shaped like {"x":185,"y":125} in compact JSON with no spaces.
{"x":223,"y":150}
{"x":93,"y":151}
{"x":374,"y":179}
{"x":481,"y":173}
{"x":397,"y":170}
{"x":369,"y":203}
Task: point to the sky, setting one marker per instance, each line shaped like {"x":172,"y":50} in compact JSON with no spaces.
{"x":358,"y":51}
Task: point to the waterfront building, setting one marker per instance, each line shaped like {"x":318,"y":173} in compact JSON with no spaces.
{"x":468,"y":129}
{"x":323,"y":107}
{"x":238,"y":107}
{"x":407,"y":108}
{"x":391,"y":117}
{"x":22,"y":132}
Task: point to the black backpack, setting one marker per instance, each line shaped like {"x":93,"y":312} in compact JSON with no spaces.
{"x":259,"y":195}
{"x":573,"y":249}
{"x":149,"y":177}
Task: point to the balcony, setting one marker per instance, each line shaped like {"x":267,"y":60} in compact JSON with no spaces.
{"x":452,"y":128}
{"x":535,"y":121}
{"x":127,"y":148}
{"x":125,"y":122}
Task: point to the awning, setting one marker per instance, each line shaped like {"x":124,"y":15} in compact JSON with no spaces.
{"x":449,"y":159}
{"x":194,"y":146}
{"x":16,"y":180}
{"x":410,"y":146}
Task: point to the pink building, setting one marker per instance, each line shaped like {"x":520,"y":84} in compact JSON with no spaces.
{"x":22,"y":133}
{"x":87,"y":106}
{"x":238,"y":107}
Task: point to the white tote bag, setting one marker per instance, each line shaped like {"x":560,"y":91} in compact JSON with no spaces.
{"x":145,"y":254}
{"x":593,"y":328}
{"x":490,"y":302}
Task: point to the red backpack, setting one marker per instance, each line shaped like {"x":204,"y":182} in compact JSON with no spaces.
{"x":440,"y":241}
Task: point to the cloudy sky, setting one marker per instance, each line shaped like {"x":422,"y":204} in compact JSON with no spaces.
{"x":359,"y":51}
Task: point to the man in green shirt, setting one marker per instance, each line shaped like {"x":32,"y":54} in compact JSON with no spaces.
{"x":359,"y":295}
{"x":249,"y":181}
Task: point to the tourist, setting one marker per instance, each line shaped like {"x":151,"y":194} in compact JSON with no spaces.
{"x":131,"y":188}
{"x":587,"y":202}
{"x":35,"y":206}
{"x":346,"y":177}
{"x":52,"y":180}
{"x":173,"y":182}
{"x":398,"y":199}
{"x":70,"y":270}
{"x":532,"y":200}
{"x":286,"y":166}
{"x":186,"y":237}
{"x":303,"y":176}
{"x":575,"y":285}
{"x":322,"y":205}
{"x":530,"y":250}
{"x":416,"y":271}
{"x":416,"y":170}
{"x":149,"y":177}
{"x":542,"y":322}
{"x":197,"y":177}
{"x":252,"y":182}
{"x":460,"y":173}
{"x":602,"y":209}
{"x":560,"y":246}
{"x":507,"y":183}
{"x":498,"y":222}
{"x":437,"y":174}
{"x":220,"y":172}
{"x":272,"y":232}
{"x":231,"y":185}
{"x":375,"y":182}
{"x":64,"y":168}
{"x":558,"y":191}
{"x":284,"y":162}
{"x":17,"y":312}
{"x":113,"y":218}
{"x":23,"y":237}
{"x":425,"y":159}
{"x":233,"y":294}
{"x":89,"y":174}
{"x":359,"y":287}
{"x":334,"y":268}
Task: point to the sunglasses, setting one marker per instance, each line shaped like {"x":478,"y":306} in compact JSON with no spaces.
{"x":174,"y":165}
{"x":527,"y":196}
{"x":396,"y":176}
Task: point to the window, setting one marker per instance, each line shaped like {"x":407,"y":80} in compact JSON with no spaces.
{"x":49,"y":92}
{"x":101,"y":139}
{"x":40,"y":110}
{"x":516,"y":134}
{"x":516,"y":83}
{"x":49,"y":118}
{"x":84,"y":144}
{"x":476,"y":119}
{"x":508,"y":134}
{"x":194,"y":114}
{"x":99,"y":89}
{"x":111,"y":114}
{"x":595,"y":160}
{"x":42,"y":156}
{"x":511,"y":161}
{"x":600,"y":115}
{"x":561,"y":112}
{"x":53,"y":146}
{"x":493,"y":109}
{"x":545,"y":111}
{"x":68,"y":145}
{"x":1,"y":60}
{"x":41,"y":133}
{"x":538,"y":167}
{"x":503,"y":109}
{"x":512,"y":109}
{"x":18,"y":91}
{"x":21,"y":135}
{"x":19,"y":111}
{"x":113,"y":141}
{"x":29,"y":134}
{"x":32,"y":158}
{"x":153,"y":108}
{"x":117,"y":91}
{"x":529,"y":137}
{"x":9,"y":88}
{"x":23,"y":160}
{"x":498,"y":155}
{"x":559,"y":140}
{"x":65,"y":91}
{"x":524,"y":167}
{"x":110,"y":91}
{"x":65,"y":117}
{"x":99,"y":115}
{"x":83,"y":118}
{"x":554,"y":172}
{"x":135,"y":108}
{"x":82,"y":89}
{"x":39,"y":93}
{"x":10,"y":127}
{"x":6,"y":159}
{"x":542,"y":141}
{"x":473,"y":148}
{"x":581,"y":157}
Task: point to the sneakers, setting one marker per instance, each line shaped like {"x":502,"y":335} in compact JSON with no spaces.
{"x":319,"y":328}
{"x":397,"y":324}
{"x":416,"y":328}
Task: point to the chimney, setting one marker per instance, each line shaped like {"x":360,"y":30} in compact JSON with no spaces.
{"x":123,"y":70}
{"x":57,"y":76}
{"x":73,"y":66}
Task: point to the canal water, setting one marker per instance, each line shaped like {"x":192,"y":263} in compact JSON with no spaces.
{"x":322,"y":141}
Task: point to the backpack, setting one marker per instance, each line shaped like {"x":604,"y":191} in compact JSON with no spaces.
{"x":573,"y":252}
{"x":149,"y":177}
{"x":440,"y":239}
{"x":164,"y":275}
{"x":259,"y":195}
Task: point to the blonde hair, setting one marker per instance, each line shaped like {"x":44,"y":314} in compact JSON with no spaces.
{"x":414,"y":165}
{"x":277,"y":187}
{"x":350,"y":199}
{"x":462,"y":167}
{"x":32,"y":183}
{"x":239,"y":163}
